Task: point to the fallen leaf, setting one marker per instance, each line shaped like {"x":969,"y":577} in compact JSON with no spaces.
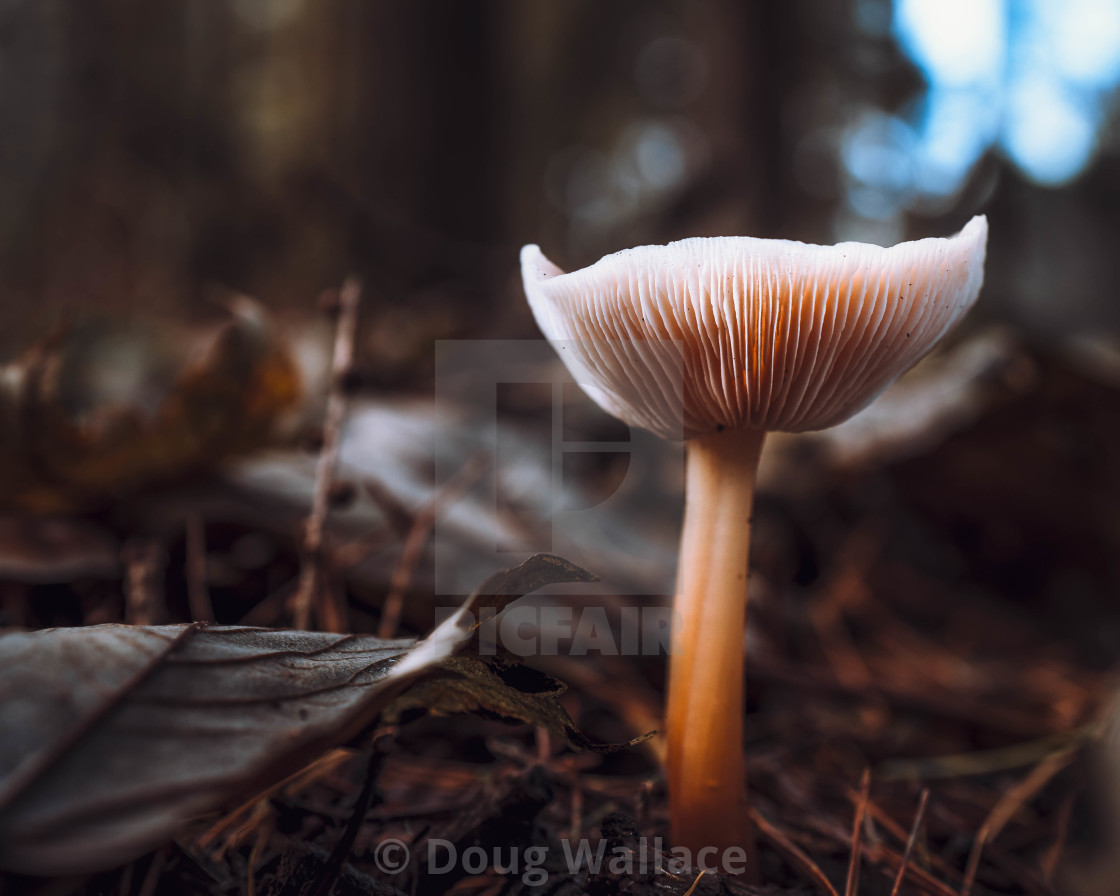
{"x":111,"y":736}
{"x":100,"y":410}
{"x":502,"y":588}
{"x":500,"y":687}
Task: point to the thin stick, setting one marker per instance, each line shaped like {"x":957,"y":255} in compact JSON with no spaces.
{"x":857,"y":834}
{"x":696,"y":882}
{"x":310,"y":572}
{"x":1053,"y":854}
{"x":575,"y":824}
{"x":793,"y":852}
{"x":986,"y":762}
{"x":143,"y":583}
{"x":332,"y":610}
{"x":418,"y":535}
{"x":925,"y":881}
{"x":155,"y":870}
{"x":883,"y":819}
{"x":332,"y":869}
{"x":317,"y":770}
{"x":1010,"y":803}
{"x":398,"y":518}
{"x":254,"y":858}
{"x":198,"y":594}
{"x":919,"y":817}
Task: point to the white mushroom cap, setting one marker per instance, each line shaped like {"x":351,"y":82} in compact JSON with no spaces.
{"x":737,"y":332}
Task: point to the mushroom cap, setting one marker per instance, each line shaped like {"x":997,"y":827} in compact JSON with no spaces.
{"x":731,"y":332}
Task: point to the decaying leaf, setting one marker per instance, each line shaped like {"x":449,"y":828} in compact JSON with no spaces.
{"x":505,"y":586}
{"x":99,"y":410}
{"x":111,"y":736}
{"x":500,"y":687}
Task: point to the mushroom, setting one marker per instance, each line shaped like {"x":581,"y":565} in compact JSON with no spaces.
{"x":719,"y":341}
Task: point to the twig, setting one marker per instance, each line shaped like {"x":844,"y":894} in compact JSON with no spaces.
{"x":417,"y":539}
{"x":155,"y":870}
{"x":310,"y":571}
{"x":397,"y":516}
{"x":926,"y":882}
{"x":1053,"y":854}
{"x":503,"y":820}
{"x":254,"y":857}
{"x":882,"y":818}
{"x":252,"y":823}
{"x":985,"y":762}
{"x":332,"y":610}
{"x":793,"y":852}
{"x":643,"y":801}
{"x":696,"y":882}
{"x":318,"y":769}
{"x":919,"y":817}
{"x":857,"y":834}
{"x":1010,"y":803}
{"x":198,"y":594}
{"x":544,"y":745}
{"x":142,"y":581}
{"x":398,"y":523}
{"x":328,"y":877}
{"x":575,"y":823}
{"x":844,"y":587}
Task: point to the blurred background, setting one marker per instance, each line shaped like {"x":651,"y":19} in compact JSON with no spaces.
{"x":152,"y":152}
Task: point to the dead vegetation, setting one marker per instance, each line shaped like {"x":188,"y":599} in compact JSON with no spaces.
{"x":931,"y":657}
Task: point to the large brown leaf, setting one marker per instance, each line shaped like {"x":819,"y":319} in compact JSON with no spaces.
{"x":111,"y":736}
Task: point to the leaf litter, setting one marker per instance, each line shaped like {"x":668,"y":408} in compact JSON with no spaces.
{"x":890,"y":632}
{"x":112,"y":736}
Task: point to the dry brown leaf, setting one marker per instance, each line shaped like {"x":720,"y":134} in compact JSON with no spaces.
{"x":500,"y":687}
{"x":111,"y":736}
{"x":98,"y":411}
{"x":499,"y":590}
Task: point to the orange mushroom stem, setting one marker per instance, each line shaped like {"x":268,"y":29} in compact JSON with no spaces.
{"x":704,"y":716}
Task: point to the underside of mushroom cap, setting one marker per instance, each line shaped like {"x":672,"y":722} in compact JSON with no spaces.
{"x":733,"y":332}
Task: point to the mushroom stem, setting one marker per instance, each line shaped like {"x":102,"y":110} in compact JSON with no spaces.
{"x":704,"y":718}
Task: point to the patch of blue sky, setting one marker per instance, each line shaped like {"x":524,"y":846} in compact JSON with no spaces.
{"x":1033,"y":78}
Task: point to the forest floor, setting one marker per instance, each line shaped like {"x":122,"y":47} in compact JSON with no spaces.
{"x":932,"y":660}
